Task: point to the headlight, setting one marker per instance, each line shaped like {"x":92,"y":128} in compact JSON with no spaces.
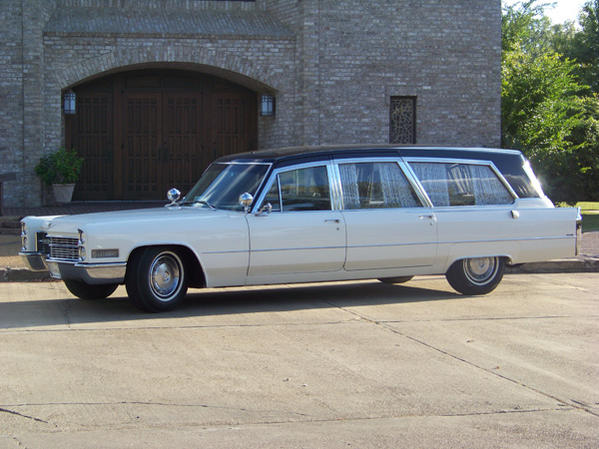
{"x":23,"y":236}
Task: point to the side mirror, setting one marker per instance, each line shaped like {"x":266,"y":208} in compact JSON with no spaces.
{"x":173,"y":196}
{"x":246,"y":199}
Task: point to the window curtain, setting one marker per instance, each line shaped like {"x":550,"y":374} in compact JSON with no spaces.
{"x":349,"y":184}
{"x":397,"y":192}
{"x":488,"y":189}
{"x":434,"y":180}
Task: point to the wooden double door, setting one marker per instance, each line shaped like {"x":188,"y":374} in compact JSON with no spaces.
{"x":141,"y":133}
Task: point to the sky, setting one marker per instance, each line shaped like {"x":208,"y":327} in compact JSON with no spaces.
{"x":564,"y":9}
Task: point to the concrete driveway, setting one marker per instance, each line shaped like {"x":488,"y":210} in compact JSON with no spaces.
{"x":339,"y":365}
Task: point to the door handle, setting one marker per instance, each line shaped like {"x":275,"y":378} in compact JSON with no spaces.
{"x":332,"y":220}
{"x":431,"y":217}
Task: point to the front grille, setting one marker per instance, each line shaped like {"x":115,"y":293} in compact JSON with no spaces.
{"x":64,"y":248}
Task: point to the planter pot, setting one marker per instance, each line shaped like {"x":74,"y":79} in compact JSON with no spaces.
{"x":63,"y":192}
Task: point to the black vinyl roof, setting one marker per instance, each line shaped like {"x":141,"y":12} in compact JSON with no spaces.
{"x":294,"y":154}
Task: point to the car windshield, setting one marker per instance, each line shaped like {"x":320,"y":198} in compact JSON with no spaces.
{"x":221,"y":184}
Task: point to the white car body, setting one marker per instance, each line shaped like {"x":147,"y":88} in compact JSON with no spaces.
{"x":226,"y":247}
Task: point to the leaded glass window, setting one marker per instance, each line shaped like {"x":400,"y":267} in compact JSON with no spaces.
{"x":402,"y":120}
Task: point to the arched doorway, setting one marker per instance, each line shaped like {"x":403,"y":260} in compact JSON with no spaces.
{"x":142,"y":132}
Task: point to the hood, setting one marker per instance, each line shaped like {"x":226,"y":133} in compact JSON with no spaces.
{"x":161,"y":216}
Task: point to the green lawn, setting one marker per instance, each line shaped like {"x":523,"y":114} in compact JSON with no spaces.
{"x":590,"y":215}
{"x":588,"y":206}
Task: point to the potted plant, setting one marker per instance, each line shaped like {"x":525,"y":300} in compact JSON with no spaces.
{"x":61,"y":170}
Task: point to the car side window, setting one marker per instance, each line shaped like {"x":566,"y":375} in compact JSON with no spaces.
{"x":305,"y":189}
{"x":461,"y":184}
{"x":370,"y":185}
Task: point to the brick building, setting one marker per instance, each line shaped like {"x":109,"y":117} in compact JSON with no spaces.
{"x":164,"y":86}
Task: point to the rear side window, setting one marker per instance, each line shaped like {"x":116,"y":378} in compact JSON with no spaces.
{"x":375,"y":185}
{"x":461,"y":184}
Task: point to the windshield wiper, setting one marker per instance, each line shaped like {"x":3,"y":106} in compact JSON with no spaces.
{"x":199,"y":202}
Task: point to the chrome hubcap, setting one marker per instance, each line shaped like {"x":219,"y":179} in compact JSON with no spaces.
{"x":480,"y":270}
{"x":165,"y":276}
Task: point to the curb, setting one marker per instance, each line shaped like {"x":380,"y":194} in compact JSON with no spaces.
{"x":587,"y":265}
{"x":23,"y":275}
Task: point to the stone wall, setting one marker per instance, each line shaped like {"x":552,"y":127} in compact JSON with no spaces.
{"x":332,"y":65}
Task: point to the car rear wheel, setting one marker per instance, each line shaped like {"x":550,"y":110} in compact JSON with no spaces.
{"x":156,"y":279}
{"x":477,"y":275}
{"x":87,"y":291}
{"x":396,"y":280}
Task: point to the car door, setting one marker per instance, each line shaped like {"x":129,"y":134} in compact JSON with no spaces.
{"x":300,"y":233}
{"x":475,"y":208}
{"x":387,"y":225}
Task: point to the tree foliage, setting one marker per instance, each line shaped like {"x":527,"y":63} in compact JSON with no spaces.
{"x":585,"y":44}
{"x":547,"y":110}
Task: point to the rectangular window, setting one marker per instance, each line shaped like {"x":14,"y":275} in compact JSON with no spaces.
{"x":461,"y":184}
{"x":402,"y":120}
{"x":305,"y":189}
{"x":369,"y":185}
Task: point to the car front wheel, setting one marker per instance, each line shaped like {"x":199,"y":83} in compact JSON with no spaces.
{"x":477,"y":275}
{"x":156,"y":279}
{"x":87,"y":291}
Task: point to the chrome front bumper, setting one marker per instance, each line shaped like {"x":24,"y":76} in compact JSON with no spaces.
{"x":104,"y":273}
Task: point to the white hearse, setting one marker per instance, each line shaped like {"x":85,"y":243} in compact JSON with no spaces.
{"x":314,"y":214}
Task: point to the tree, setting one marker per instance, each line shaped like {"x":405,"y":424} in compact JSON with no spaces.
{"x":585,"y":46}
{"x":524,"y":27}
{"x":541,"y":107}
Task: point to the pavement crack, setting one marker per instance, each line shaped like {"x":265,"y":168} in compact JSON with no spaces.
{"x":503,"y":318}
{"x":385,"y":324}
{"x":12,"y":412}
{"x":148,"y":403}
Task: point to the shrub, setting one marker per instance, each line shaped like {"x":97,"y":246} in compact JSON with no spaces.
{"x":60,"y":167}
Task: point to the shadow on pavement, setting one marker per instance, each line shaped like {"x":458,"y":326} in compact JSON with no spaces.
{"x":71,"y":311}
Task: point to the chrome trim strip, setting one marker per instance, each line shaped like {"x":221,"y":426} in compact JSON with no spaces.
{"x":415,"y":182}
{"x":383,"y":245}
{"x":242,"y":163}
{"x":389,"y":268}
{"x":521,"y":239}
{"x":296,"y":249}
{"x":465,"y":149}
{"x":232,"y":251}
{"x":446,"y":160}
{"x":279,"y":190}
{"x":100,"y":265}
